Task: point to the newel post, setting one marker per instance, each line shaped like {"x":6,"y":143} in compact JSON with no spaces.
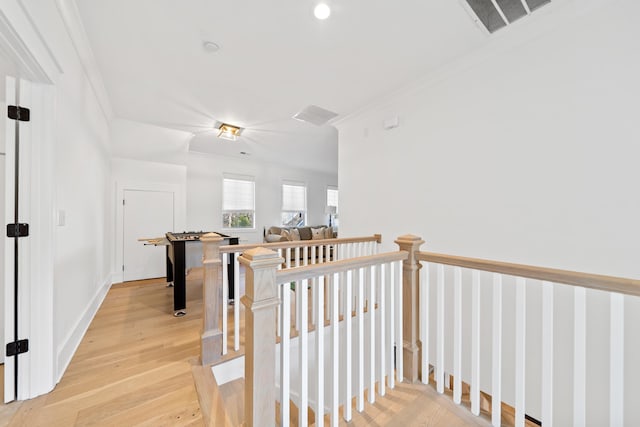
{"x":211,"y":337}
{"x":410,"y":309}
{"x":260,"y":300}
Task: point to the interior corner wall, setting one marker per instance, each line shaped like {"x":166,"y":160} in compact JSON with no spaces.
{"x":82,"y":170}
{"x":204,"y":192}
{"x":528,"y":154}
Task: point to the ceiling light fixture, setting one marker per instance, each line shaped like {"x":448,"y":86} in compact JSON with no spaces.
{"x":229,"y":132}
{"x":322,"y":11}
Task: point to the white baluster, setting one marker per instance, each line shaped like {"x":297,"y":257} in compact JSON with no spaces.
{"x":391,"y":325}
{"x":285,"y":365}
{"x":475,"y":344}
{"x":297,"y":255}
{"x":372,"y":334}
{"x":423,"y":322}
{"x":521,"y":332}
{"x":313,"y":254}
{"x":616,"y":361}
{"x":348,"y":338}
{"x":457,"y":335}
{"x":236,"y":305}
{"x":335,"y":350}
{"x":496,"y":363}
{"x":288,"y":260}
{"x":382,"y":328}
{"x":360,"y":323}
{"x":225,"y":302}
{"x":304,"y":351}
{"x":305,"y":255}
{"x":440,"y":332}
{"x":319,"y":290}
{"x":579,"y":356}
{"x":398,"y":322}
{"x":547,"y":354}
{"x":279,"y":307}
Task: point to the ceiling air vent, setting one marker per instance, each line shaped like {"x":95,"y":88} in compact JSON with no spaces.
{"x":495,"y":14}
{"x":315,"y":115}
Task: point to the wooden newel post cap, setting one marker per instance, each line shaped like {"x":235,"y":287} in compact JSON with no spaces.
{"x":211,"y":237}
{"x":260,"y":258}
{"x":409,"y":241}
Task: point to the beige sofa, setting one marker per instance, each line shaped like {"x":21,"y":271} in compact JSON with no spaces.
{"x":285,"y":234}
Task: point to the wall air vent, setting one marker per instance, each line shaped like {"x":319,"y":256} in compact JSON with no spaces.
{"x":315,"y":115}
{"x":495,"y":14}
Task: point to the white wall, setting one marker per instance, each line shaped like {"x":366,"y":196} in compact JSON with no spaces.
{"x":81,"y":175}
{"x":143,"y":175}
{"x":204,"y":192}
{"x":526,"y":152}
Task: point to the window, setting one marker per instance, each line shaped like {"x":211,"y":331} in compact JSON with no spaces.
{"x":238,"y":203}
{"x":294,"y":204}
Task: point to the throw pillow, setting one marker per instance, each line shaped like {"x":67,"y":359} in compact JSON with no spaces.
{"x":294,"y":234}
{"x":305,"y":233}
{"x":317,"y":233}
{"x":271,"y":238}
{"x":286,"y":234}
{"x":328,"y":233}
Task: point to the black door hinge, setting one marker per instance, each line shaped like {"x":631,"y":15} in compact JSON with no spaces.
{"x":17,"y":347}
{"x":19,"y":113}
{"x":17,"y":230}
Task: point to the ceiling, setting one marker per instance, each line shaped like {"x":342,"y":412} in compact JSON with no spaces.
{"x":275,"y":58}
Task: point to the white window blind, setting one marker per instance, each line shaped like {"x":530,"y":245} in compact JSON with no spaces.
{"x":238,"y":195}
{"x":294,"y":197}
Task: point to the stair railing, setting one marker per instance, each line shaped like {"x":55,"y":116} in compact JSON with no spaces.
{"x":444,"y":349}
{"x":217,"y":261}
{"x":347,"y":350}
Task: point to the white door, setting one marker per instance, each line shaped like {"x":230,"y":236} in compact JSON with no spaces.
{"x":146,"y":214}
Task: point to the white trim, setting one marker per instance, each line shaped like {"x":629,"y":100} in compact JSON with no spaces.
{"x":21,"y":41}
{"x":73,"y":22}
{"x":69,"y":345}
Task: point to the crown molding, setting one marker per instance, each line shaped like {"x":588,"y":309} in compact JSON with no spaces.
{"x":73,"y":22}
{"x":547,"y":18}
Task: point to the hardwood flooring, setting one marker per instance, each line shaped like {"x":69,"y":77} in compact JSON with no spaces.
{"x":133,"y":366}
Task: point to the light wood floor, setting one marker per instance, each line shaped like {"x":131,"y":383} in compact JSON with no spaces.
{"x":133,"y":366}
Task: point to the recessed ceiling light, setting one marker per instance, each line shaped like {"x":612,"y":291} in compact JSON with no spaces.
{"x":322,"y":11}
{"x":244,"y":153}
{"x":211,"y":46}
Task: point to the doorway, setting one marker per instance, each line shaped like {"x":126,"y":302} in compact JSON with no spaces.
{"x":145,"y":214}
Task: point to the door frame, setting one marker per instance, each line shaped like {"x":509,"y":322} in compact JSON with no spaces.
{"x":22,"y":44}
{"x":121,"y":187}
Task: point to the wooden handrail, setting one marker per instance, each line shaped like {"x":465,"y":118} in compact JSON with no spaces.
{"x":585,"y":280}
{"x":315,"y":270}
{"x":299,"y":243}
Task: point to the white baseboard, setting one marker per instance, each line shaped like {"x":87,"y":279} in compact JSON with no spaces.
{"x":70,"y":344}
{"x":117,"y":277}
